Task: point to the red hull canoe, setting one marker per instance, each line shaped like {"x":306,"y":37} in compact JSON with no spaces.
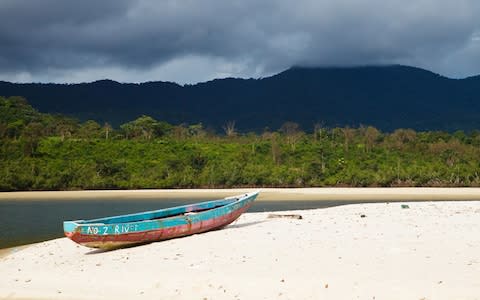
{"x":146,"y":227}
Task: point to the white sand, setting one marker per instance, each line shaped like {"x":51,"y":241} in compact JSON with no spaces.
{"x":429,"y":251}
{"x":351,"y":194}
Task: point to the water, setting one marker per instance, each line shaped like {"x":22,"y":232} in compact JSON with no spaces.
{"x":23,"y":222}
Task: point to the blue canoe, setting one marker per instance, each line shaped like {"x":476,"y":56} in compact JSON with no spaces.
{"x":146,"y":227}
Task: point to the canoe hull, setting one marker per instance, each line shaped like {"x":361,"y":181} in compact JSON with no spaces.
{"x":163,"y":230}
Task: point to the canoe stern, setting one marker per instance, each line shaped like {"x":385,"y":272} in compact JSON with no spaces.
{"x":70,"y":227}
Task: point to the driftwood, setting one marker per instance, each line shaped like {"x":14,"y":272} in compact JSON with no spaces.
{"x":298,"y":217}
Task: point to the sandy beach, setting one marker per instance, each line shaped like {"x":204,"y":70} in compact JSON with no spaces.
{"x":430,"y":250}
{"x":267,"y":194}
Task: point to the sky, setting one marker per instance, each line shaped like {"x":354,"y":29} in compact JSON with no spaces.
{"x":189,"y":41}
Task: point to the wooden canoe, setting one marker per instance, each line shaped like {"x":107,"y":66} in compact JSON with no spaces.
{"x":151,"y":226}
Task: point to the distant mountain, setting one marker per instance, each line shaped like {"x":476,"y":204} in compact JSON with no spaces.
{"x":387,"y":97}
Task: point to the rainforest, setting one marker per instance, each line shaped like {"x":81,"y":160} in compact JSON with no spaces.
{"x":40,"y":151}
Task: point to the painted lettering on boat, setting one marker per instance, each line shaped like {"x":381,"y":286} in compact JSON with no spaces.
{"x":117,"y":229}
{"x":128,"y":228}
{"x":92,"y":230}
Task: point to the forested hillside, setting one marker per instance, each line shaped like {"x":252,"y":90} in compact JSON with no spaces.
{"x":387,"y":97}
{"x":53,"y":152}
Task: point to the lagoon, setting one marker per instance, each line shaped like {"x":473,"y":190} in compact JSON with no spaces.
{"x":28,"y":217}
{"x":25,"y":221}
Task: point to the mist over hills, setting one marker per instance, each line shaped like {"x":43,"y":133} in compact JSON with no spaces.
{"x":387,"y":97}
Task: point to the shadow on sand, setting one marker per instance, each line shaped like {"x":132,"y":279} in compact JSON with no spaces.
{"x":245,"y":224}
{"x":234,"y":226}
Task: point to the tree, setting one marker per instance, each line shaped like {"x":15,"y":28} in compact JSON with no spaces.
{"x":348,"y":134}
{"x":144,"y":126}
{"x":317,"y":131}
{"x":371,"y":135}
{"x":107,"y":128}
{"x":400,"y":137}
{"x":32,"y":134}
{"x":292,"y":132}
{"x":129,"y":130}
{"x":196,"y":130}
{"x":229,"y":128}
{"x":14,"y":128}
{"x":275,"y":148}
{"x":64,"y":126}
{"x":89,"y":129}
{"x":163,"y":128}
{"x":180,"y":132}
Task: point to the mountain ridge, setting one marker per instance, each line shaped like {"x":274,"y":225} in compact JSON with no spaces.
{"x":387,"y":97}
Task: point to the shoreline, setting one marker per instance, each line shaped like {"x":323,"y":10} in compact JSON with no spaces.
{"x":266,"y":194}
{"x":4,"y":252}
{"x":365,"y":251}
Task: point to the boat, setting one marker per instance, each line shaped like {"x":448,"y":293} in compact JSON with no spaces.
{"x":151,"y":226}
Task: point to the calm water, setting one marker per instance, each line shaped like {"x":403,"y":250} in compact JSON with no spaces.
{"x":24,"y":222}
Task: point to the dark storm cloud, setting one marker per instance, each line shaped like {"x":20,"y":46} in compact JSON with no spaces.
{"x":52,"y":38}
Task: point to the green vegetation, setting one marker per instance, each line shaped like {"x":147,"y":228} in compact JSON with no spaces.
{"x":49,"y":152}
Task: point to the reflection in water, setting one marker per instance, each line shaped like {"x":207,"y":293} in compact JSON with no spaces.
{"x":23,"y":222}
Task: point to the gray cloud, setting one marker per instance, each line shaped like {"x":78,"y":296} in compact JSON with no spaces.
{"x":191,"y":40}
